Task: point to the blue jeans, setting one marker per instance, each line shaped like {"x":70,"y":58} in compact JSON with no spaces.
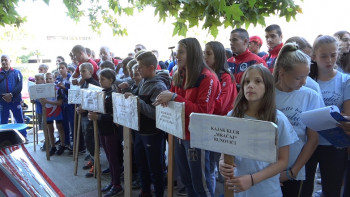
{"x":149,"y":156}
{"x":16,"y":109}
{"x":332,"y":162}
{"x":194,"y":168}
{"x":347,"y":180}
{"x":68,"y":122}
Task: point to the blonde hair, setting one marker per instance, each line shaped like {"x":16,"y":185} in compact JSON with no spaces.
{"x":288,"y":57}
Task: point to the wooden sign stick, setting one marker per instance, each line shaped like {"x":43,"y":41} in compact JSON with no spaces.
{"x":75,"y":132}
{"x":97,"y":166}
{"x":127,"y":161}
{"x":228,"y":159}
{"x":45,"y":130}
{"x":170,"y":165}
{"x":76,"y":146}
{"x":34,"y":129}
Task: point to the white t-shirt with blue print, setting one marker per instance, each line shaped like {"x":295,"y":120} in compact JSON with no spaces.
{"x":292,"y":104}
{"x":271,"y":186}
{"x":335,"y":92}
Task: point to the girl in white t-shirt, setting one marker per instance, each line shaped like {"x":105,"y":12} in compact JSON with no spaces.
{"x":256,"y":100}
{"x":292,"y":68}
{"x":335,"y":88}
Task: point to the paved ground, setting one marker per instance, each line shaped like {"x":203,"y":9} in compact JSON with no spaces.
{"x":61,"y":170}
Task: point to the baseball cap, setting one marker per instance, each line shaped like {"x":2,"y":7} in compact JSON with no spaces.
{"x":256,"y":39}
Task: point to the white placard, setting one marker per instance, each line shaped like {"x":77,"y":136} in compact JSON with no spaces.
{"x":252,"y":139}
{"x":171,"y":119}
{"x":93,"y":100}
{"x":126,"y":112}
{"x":42,"y":91}
{"x":74,"y":96}
{"x":94,"y":87}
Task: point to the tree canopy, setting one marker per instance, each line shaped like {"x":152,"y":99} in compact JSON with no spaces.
{"x":209,"y":14}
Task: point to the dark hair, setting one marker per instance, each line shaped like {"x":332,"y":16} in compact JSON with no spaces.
{"x":78,"y":48}
{"x":107,"y":64}
{"x":126,"y":60}
{"x":220,"y":66}
{"x":340,"y":34}
{"x":64,"y":64}
{"x":60,"y":57}
{"x":108,"y":73}
{"x":267,"y":108}
{"x":194,"y":63}
{"x":243,"y":34}
{"x":229,"y":53}
{"x":274,"y":27}
{"x":88,"y":51}
{"x":320,"y":40}
{"x":147,"y":59}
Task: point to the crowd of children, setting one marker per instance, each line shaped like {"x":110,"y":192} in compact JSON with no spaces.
{"x":277,"y":86}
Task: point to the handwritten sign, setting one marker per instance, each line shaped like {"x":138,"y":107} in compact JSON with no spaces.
{"x":42,"y":91}
{"x":252,"y":139}
{"x":93,"y":100}
{"x":74,"y":96}
{"x":171,"y":119}
{"x":126,"y":112}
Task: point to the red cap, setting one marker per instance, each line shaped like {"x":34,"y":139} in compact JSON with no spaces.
{"x":256,"y":39}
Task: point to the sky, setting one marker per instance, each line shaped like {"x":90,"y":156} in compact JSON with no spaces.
{"x":319,"y":17}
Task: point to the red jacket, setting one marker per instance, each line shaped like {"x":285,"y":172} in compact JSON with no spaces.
{"x":94,"y":75}
{"x":199,"y":99}
{"x":224,"y":102}
{"x":238,"y":64}
{"x":270,"y":58}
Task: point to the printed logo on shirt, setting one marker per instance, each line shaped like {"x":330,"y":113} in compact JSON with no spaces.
{"x":243,"y":67}
{"x":209,"y":91}
{"x":224,"y":84}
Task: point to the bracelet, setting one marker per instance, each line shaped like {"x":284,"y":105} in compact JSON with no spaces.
{"x":173,"y":97}
{"x":251,"y":177}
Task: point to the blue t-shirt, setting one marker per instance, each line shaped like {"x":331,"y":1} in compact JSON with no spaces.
{"x":271,"y":186}
{"x":335,"y":92}
{"x":292,"y":104}
{"x":310,"y":83}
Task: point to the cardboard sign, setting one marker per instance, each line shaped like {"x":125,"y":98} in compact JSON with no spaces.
{"x":252,"y":139}
{"x":93,"y":100}
{"x":42,"y":91}
{"x":74,"y":96}
{"x":126,"y":112}
{"x":171,"y":119}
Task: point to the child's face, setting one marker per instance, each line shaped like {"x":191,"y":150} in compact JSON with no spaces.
{"x":294,"y":79}
{"x":42,"y":70}
{"x":49,"y":79}
{"x":136,"y":76}
{"x":85,"y":73}
{"x":145,"y":71}
{"x":105,"y":82}
{"x":62,"y":69}
{"x":345,"y":43}
{"x":209,"y":56}
{"x":326,"y":57}
{"x":181,"y":56}
{"x":254,"y":86}
{"x":39,"y":80}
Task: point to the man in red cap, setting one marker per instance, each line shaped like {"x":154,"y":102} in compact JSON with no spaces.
{"x":255,"y":43}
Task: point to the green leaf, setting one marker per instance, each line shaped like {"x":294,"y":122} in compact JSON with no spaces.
{"x":214,"y":30}
{"x":252,"y":3}
{"x":233,"y":12}
{"x":129,"y":11}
